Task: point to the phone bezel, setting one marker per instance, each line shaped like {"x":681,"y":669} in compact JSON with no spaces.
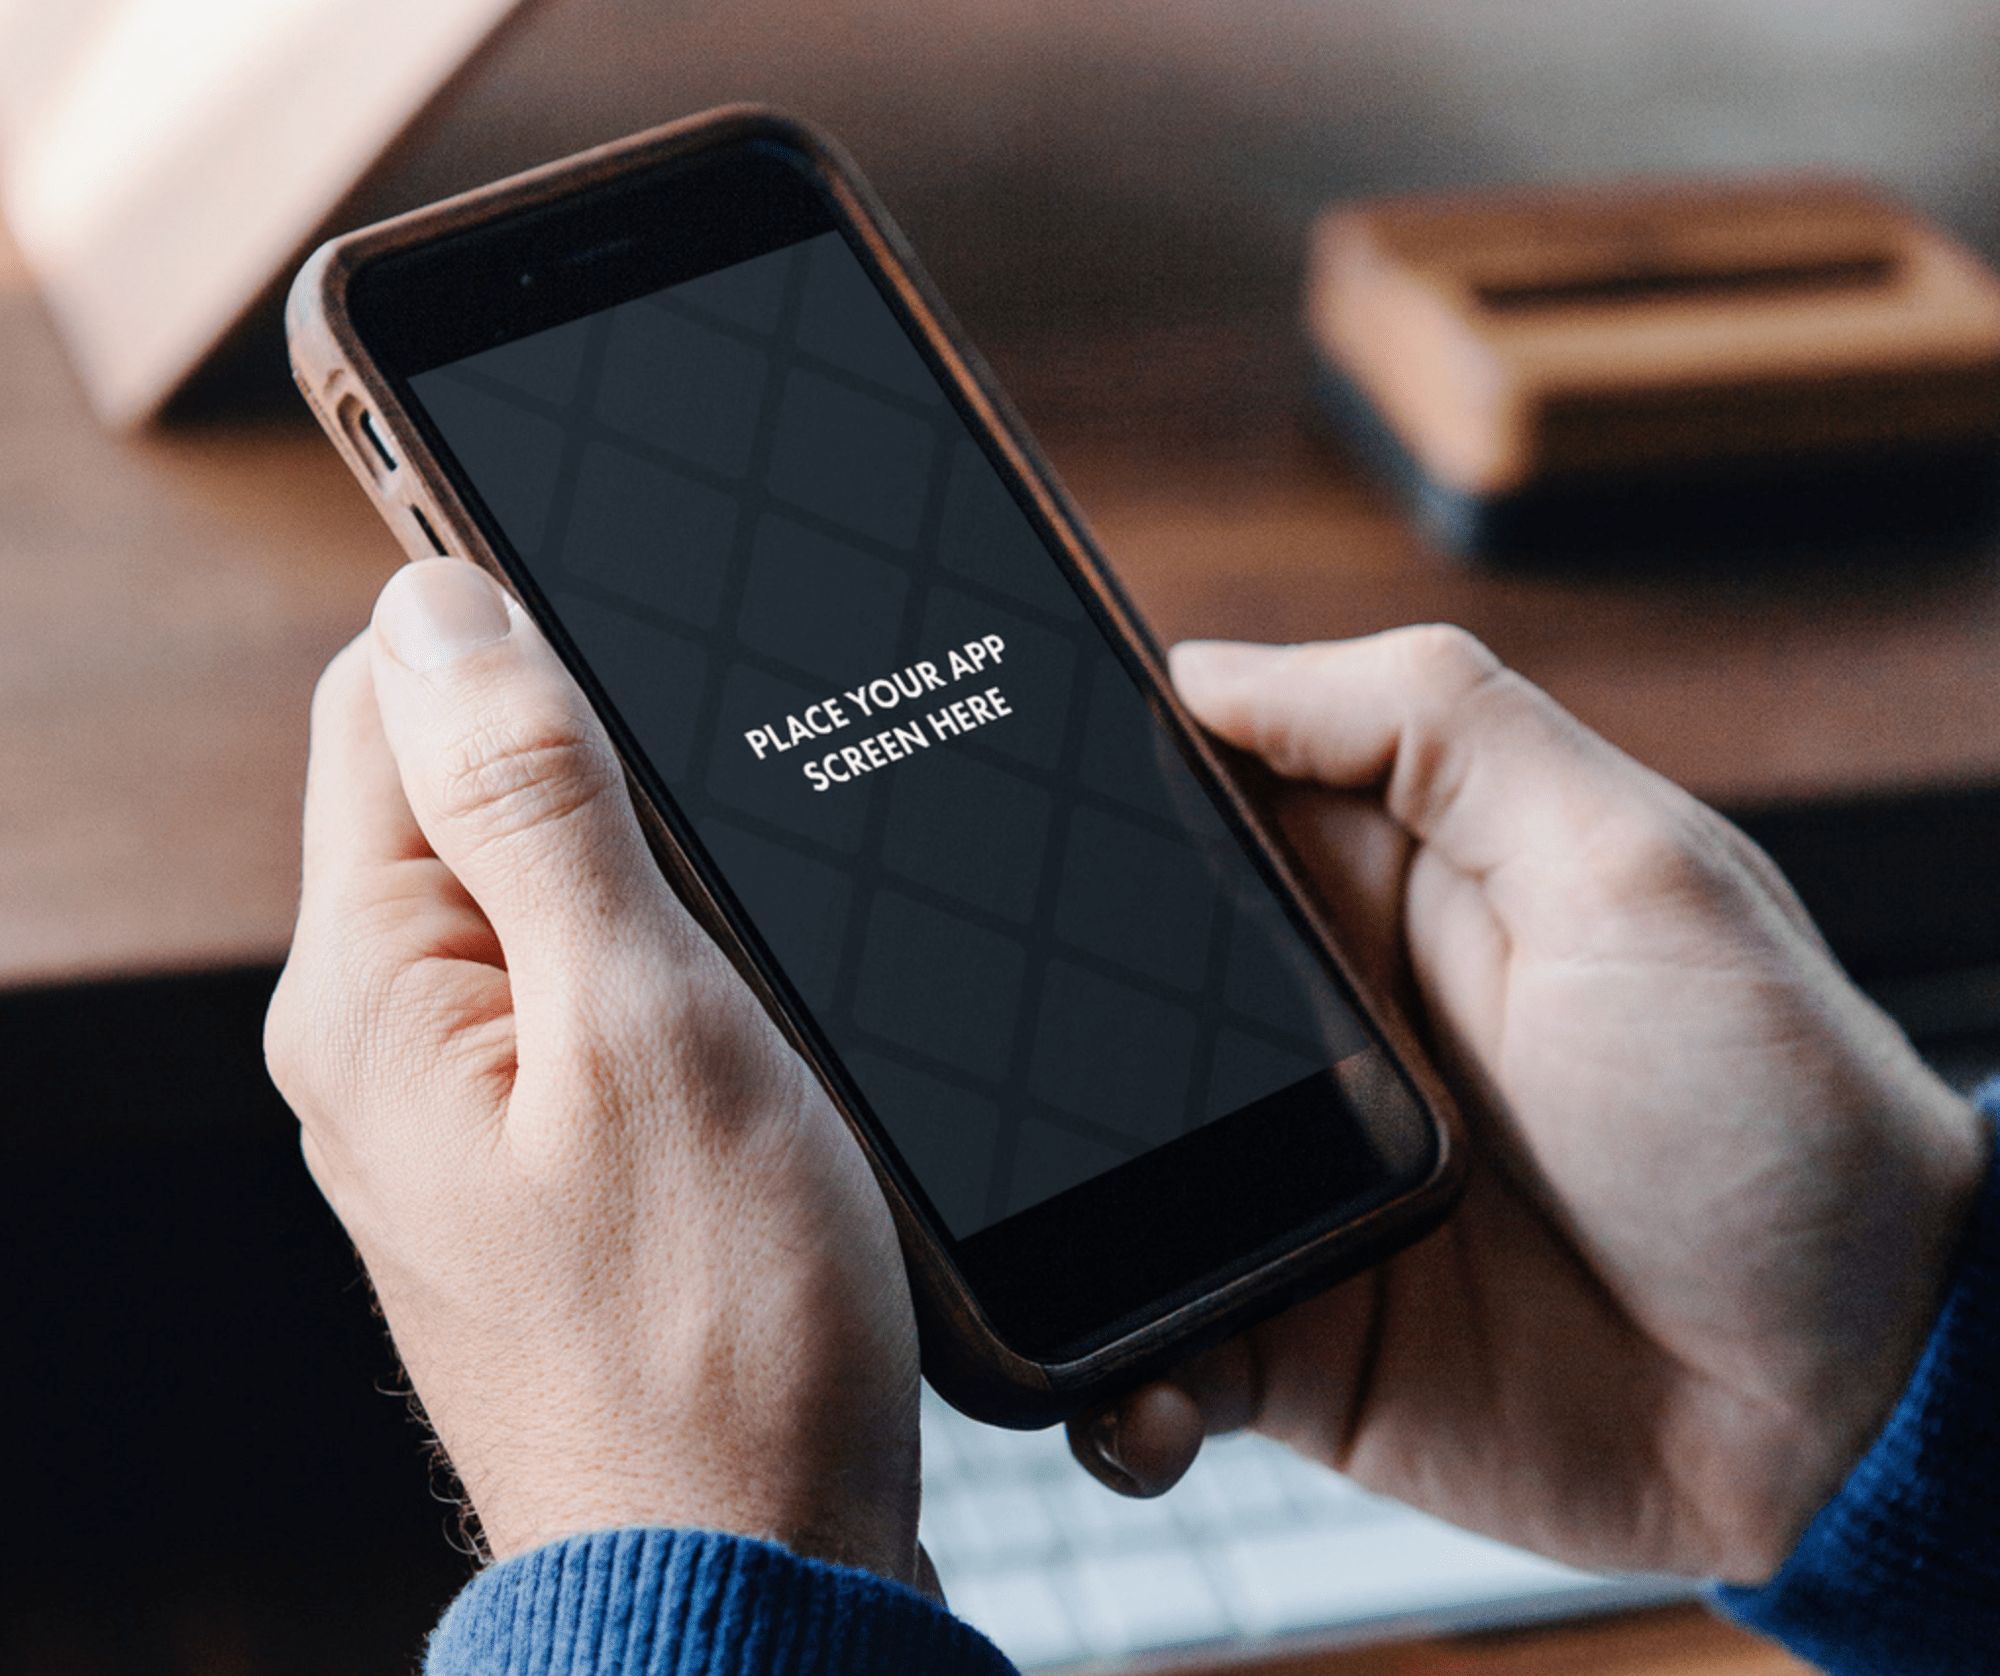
{"x":446,"y":302}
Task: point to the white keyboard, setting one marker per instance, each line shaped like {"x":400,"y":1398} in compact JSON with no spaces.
{"x":1253,"y":1543}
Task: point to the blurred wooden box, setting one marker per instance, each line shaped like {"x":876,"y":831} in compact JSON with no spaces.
{"x":1515,"y":345}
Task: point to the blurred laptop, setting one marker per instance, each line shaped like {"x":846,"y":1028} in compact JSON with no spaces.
{"x":1257,"y":1546}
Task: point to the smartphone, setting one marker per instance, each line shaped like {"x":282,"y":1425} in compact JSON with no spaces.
{"x":897,"y":738}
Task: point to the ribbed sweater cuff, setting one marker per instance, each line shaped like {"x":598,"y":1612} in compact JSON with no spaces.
{"x":695,"y":1603}
{"x":1901,"y":1570}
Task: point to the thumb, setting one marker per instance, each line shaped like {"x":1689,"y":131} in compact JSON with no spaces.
{"x":512,"y":781}
{"x":1468,"y":756}
{"x":1492,"y":774}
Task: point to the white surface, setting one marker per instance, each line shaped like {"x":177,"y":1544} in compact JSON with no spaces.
{"x":1255,"y":1542}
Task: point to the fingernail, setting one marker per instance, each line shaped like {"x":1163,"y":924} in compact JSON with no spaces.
{"x":1220,"y":657}
{"x":435,"y":611}
{"x":1205,"y":662}
{"x":1103,"y":1431}
{"x":1186,"y":654}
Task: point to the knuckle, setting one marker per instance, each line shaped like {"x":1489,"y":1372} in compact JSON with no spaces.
{"x":335,"y":1007}
{"x":512,"y":775}
{"x":310,"y":1029}
{"x":1639,"y":846}
{"x":1443,"y":660}
{"x":334,"y":693}
{"x":1451,"y":678}
{"x":287,"y":1042}
{"x":1660,"y":850}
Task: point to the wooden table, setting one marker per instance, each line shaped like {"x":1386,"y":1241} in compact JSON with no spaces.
{"x":1115,"y":199}
{"x":1670,"y":1641}
{"x":167,"y":600}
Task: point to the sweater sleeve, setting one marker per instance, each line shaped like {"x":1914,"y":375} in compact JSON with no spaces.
{"x":1901,"y":1570}
{"x":695,"y":1603}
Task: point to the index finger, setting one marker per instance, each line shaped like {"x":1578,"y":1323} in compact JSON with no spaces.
{"x":1467,"y":754}
{"x":1488,"y":771}
{"x":362,"y":851}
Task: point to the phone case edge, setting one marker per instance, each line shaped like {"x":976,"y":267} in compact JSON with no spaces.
{"x":963,"y":1355}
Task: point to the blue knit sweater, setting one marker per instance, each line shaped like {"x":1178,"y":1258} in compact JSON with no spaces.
{"x":694,"y":1603}
{"x":1898,"y":1576}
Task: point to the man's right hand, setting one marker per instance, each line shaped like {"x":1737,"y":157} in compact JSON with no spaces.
{"x":1714,"y":1191}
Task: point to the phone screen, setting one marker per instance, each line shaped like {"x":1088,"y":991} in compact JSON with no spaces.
{"x":887,"y":719}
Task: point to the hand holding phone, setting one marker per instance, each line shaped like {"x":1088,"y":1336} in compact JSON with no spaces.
{"x":1714,"y":1192}
{"x":897,"y":739}
{"x":630,"y":1293}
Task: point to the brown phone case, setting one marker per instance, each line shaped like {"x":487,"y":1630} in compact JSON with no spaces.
{"x":963,"y":1356}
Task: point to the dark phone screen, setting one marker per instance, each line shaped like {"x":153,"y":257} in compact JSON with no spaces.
{"x":808,"y":597}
